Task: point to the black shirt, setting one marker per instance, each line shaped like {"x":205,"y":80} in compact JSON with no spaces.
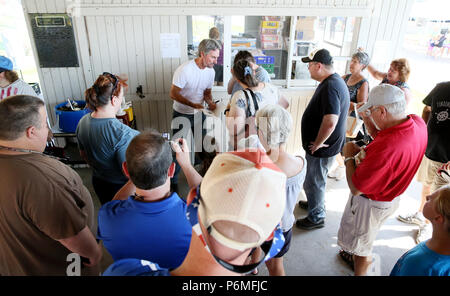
{"x":438,"y":148}
{"x":331,"y":97}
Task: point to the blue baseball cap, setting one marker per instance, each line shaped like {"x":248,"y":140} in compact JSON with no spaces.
{"x":5,"y":64}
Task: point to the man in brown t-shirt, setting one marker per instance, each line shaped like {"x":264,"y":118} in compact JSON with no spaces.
{"x":46,"y":213}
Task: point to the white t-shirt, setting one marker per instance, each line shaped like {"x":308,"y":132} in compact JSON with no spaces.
{"x":268,"y":96}
{"x":18,"y":87}
{"x":193,"y":81}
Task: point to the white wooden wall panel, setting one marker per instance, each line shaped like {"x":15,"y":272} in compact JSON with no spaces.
{"x":57,"y":84}
{"x":120,"y":43}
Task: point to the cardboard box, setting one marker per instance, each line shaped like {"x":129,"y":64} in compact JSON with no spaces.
{"x":260,"y":60}
{"x":270,"y":68}
{"x":266,"y":31}
{"x":274,"y":18}
{"x":306,"y":24}
{"x":273,"y":38}
{"x":305,"y":35}
{"x":271,"y":45}
{"x":271,"y":25}
{"x":243,"y":43}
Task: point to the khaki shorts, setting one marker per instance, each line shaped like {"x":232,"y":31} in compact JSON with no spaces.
{"x":360,"y":223}
{"x":427,"y":174}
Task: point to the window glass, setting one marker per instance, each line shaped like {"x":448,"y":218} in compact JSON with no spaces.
{"x":265,"y":37}
{"x":333,"y":33}
{"x":206,"y":27}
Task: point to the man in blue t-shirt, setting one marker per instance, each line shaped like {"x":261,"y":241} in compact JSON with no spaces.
{"x":146,"y":220}
{"x":323,"y":133}
{"x":433,"y":256}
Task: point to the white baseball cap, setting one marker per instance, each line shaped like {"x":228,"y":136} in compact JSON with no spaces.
{"x":243,"y":187}
{"x":383,"y":94}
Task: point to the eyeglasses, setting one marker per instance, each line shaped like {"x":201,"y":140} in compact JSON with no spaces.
{"x":369,"y":112}
{"x":116,"y":81}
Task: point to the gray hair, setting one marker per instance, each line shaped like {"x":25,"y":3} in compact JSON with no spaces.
{"x":362,"y":57}
{"x":396,"y":108}
{"x":275,"y":123}
{"x":206,"y":45}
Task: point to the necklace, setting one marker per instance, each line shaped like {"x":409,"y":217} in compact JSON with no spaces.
{"x":31,"y":151}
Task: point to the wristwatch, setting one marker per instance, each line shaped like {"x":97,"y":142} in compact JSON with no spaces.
{"x":348,"y":158}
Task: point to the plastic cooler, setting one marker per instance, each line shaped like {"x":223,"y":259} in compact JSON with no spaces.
{"x":68,"y":120}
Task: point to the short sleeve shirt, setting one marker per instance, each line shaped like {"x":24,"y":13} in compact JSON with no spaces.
{"x":105,"y":141}
{"x":268,"y":96}
{"x":438,"y":126}
{"x":18,"y":87}
{"x":155,"y":231}
{"x":42,"y":200}
{"x":422,"y":261}
{"x":331,"y":97}
{"x":392,"y":159}
{"x":193,"y":81}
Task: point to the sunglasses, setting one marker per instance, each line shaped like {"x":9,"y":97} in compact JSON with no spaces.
{"x":277,"y":241}
{"x":116,"y":81}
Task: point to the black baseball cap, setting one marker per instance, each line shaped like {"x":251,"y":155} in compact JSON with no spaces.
{"x":320,"y":55}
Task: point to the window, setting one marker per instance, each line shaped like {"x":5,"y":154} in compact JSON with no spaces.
{"x":333,"y":33}
{"x":277,"y":42}
{"x":265,"y":38}
{"x":204,"y":27}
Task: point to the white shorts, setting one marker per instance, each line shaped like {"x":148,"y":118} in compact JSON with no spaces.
{"x":360,"y":223}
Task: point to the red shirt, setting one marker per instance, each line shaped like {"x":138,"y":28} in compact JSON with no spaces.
{"x":392,"y":159}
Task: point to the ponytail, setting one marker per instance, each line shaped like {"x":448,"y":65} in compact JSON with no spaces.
{"x":244,"y":73}
{"x":100,"y":93}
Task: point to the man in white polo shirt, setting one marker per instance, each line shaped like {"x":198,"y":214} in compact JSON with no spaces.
{"x":191,"y":87}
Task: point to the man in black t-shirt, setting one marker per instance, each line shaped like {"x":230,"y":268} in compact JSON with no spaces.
{"x":437,"y":115}
{"x":323,"y":133}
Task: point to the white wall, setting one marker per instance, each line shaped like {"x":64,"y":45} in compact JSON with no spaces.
{"x":122,"y":36}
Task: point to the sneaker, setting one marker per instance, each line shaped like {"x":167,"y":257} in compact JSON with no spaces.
{"x":412,"y":219}
{"x":424,"y":233}
{"x":338,"y":173}
{"x":303,"y":204}
{"x":308,"y":225}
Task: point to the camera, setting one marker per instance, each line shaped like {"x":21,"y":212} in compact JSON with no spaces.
{"x":166,"y":136}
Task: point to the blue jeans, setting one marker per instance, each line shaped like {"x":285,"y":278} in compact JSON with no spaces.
{"x":314,"y":186}
{"x":183,"y":131}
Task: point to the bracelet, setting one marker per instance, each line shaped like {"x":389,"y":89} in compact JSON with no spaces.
{"x":348,"y":158}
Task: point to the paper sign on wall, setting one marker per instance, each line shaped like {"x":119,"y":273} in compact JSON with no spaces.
{"x":170,"y":45}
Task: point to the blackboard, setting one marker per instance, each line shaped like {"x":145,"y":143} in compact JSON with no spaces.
{"x":54,"y":39}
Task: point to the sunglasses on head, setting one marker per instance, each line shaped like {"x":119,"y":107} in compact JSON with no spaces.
{"x":116,"y":81}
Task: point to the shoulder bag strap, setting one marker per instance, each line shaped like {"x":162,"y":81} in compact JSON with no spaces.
{"x":255,"y":101}
{"x":248,"y":112}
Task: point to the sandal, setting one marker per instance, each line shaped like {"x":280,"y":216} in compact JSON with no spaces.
{"x":348,"y":258}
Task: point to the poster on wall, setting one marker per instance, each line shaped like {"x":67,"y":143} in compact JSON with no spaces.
{"x":54,"y":37}
{"x":170,"y":45}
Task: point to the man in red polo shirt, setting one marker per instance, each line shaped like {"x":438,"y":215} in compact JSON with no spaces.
{"x":380,"y":172}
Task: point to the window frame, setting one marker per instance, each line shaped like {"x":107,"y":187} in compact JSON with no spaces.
{"x":288,"y":82}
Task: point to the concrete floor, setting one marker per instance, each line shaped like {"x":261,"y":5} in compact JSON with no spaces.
{"x":314,"y":252}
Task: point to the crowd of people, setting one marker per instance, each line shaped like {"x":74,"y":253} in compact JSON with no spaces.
{"x":239,"y":211}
